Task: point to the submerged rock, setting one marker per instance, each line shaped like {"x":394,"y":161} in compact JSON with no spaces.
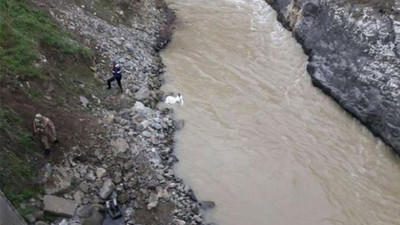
{"x":205,"y":205}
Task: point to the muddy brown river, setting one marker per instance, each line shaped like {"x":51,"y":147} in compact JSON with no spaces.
{"x":259,"y":139}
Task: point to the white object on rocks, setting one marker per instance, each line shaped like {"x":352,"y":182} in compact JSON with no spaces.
{"x":174,"y":100}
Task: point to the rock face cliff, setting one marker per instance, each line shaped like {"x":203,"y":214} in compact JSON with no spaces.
{"x":354,"y":56}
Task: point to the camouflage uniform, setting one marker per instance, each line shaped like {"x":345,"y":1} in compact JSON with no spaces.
{"x":46,"y":129}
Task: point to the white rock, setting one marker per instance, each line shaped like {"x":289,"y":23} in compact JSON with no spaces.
{"x":100,"y":172}
{"x":108,"y":187}
{"x":139,"y":105}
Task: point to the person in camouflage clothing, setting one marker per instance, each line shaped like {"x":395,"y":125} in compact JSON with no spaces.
{"x":47,"y":131}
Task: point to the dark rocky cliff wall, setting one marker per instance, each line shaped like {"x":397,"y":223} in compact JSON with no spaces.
{"x":354,"y":56}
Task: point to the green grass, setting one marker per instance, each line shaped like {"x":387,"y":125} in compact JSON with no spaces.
{"x":23,"y":32}
{"x":15,"y":173}
{"x":8,"y":118}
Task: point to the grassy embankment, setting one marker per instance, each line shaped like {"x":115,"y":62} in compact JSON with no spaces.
{"x":34,"y":55}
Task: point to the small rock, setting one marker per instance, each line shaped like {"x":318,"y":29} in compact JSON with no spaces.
{"x":179,"y":124}
{"x":128,"y":165}
{"x":30,"y":218}
{"x":146,"y":134}
{"x":90,"y":176}
{"x":142,"y":94}
{"x":78,"y":195}
{"x":84,"y":187}
{"x":129,"y":47}
{"x":198,"y":219}
{"x":179,"y":222}
{"x":95,"y":218}
{"x":64,"y":222}
{"x":48,"y":170}
{"x":129,"y":212}
{"x":41,"y":223}
{"x":116,"y":41}
{"x":100,"y":172}
{"x":85,"y":211}
{"x":57,"y":183}
{"x":120,"y":145}
{"x":205,"y":205}
{"x":123,"y":198}
{"x":139,"y":105}
{"x":107,"y":189}
{"x":156,"y":126}
{"x":84,"y":101}
{"x":153,"y":201}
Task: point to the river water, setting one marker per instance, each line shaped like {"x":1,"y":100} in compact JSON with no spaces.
{"x":259,"y":139}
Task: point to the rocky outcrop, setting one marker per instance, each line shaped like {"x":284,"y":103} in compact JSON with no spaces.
{"x":354,"y":56}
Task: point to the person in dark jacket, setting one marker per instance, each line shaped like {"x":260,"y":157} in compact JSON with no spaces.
{"x":117,"y":75}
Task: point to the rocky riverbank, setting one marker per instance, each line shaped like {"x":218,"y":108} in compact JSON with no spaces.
{"x":133,"y":160}
{"x":354,"y":56}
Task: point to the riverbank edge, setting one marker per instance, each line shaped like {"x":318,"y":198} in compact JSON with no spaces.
{"x":137,"y":125}
{"x":132,"y":158}
{"x":299,"y":18}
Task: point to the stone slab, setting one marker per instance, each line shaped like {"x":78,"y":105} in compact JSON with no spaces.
{"x":59,"y":206}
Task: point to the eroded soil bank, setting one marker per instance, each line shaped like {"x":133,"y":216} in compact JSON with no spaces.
{"x":354,"y":56}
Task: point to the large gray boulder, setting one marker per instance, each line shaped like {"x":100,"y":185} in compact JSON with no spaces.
{"x":59,"y":206}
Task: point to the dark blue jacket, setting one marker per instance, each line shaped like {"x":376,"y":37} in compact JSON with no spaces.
{"x":117,"y":71}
